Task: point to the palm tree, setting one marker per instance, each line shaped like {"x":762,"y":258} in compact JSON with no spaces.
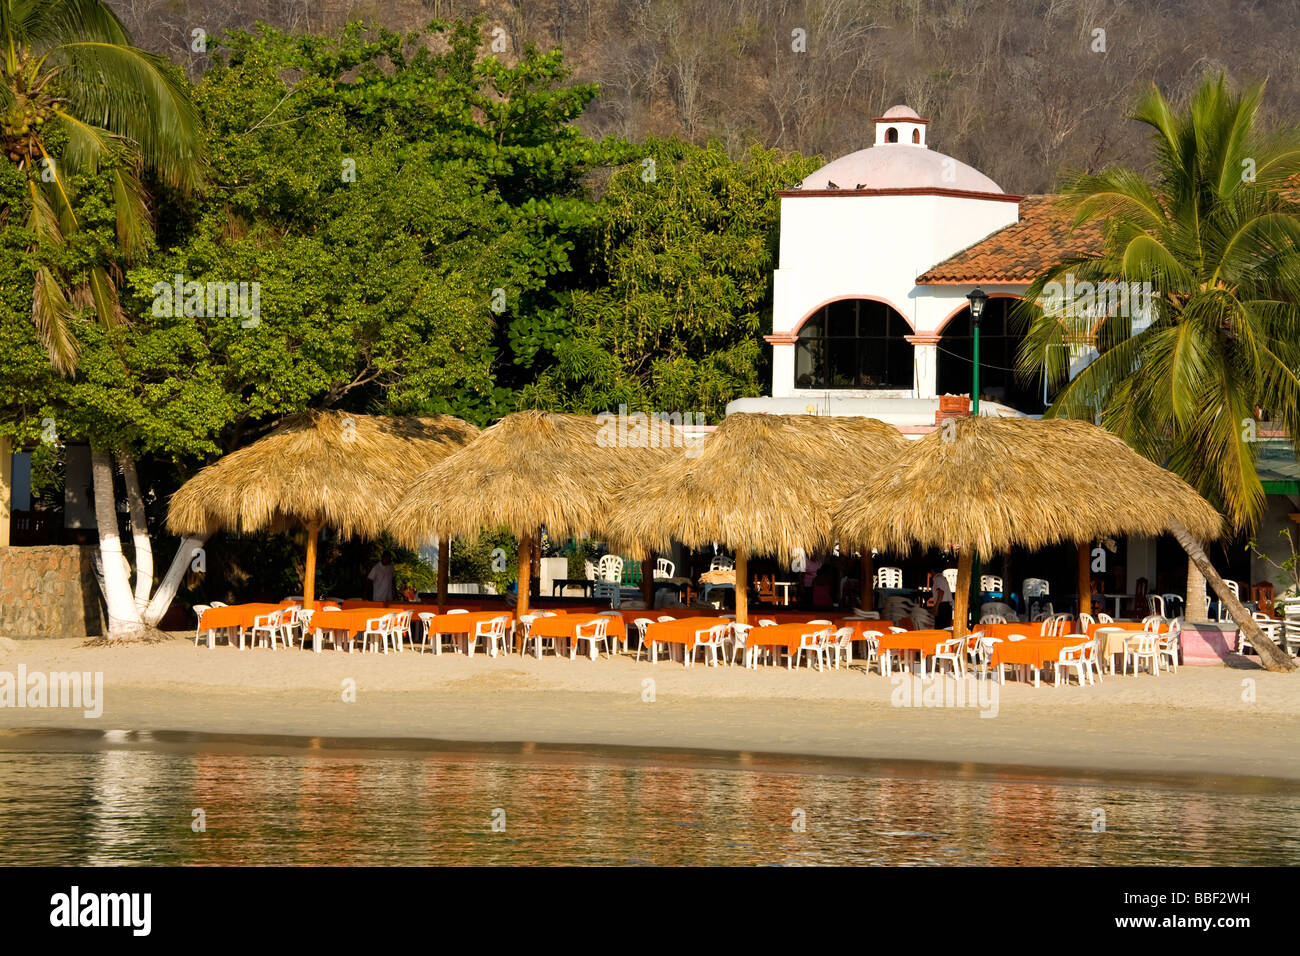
{"x":76,"y":97}
{"x":1216,"y":237}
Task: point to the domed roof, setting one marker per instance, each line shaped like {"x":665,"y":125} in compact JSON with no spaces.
{"x":899,"y":166}
{"x":901,"y":112}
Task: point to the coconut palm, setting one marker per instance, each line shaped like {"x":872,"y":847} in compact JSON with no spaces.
{"x":76,"y":97}
{"x":1216,"y":235}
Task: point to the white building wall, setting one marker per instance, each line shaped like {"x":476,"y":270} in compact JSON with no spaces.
{"x":874,"y":247}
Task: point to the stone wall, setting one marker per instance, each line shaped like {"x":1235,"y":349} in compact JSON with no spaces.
{"x":48,"y":592}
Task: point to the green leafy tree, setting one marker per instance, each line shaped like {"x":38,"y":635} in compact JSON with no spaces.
{"x":1216,"y":236}
{"x":681,"y":267}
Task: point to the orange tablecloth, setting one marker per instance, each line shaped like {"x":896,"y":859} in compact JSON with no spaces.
{"x":859,"y":626}
{"x":682,"y":631}
{"x":923,"y":641}
{"x":784,"y":635}
{"x":1034,"y":651}
{"x":566,"y":625}
{"x":1024,"y":628}
{"x":1126,"y":625}
{"x":352,"y":621}
{"x":236,"y":615}
{"x":461,"y":623}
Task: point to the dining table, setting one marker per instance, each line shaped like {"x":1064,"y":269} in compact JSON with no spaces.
{"x":236,"y":616}
{"x":679,"y":632}
{"x":564,"y":627}
{"x":1033,"y":652}
{"x":923,"y":642}
{"x":1116,"y":637}
{"x":786,"y":637}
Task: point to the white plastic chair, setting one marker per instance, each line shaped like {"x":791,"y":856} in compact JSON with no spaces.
{"x":721,"y":562}
{"x":737,"y":636}
{"x":493,"y":632}
{"x":993,"y":619}
{"x":664,"y":569}
{"x":641,"y":623}
{"x":1105,"y":619}
{"x":378,"y":633}
{"x":401,"y":628}
{"x":953,"y":651}
{"x":267,"y":625}
{"x":888,"y":579}
{"x":1155,"y":606}
{"x":991,"y":582}
{"x":1075,"y":657}
{"x":198,"y":625}
{"x":1167,"y":646}
{"x":1086,"y":621}
{"x":709,"y":638}
{"x":290,"y":621}
{"x":871,"y":647}
{"x":812,"y":642}
{"x":1145,"y":650}
{"x":593,"y":632}
{"x":840,"y":645}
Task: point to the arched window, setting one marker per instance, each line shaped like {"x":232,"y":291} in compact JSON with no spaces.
{"x":891,"y":135}
{"x":916,"y":136}
{"x":1000,"y":339}
{"x":854,"y":343}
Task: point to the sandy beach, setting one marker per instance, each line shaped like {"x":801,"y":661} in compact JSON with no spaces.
{"x":1197,"y":721}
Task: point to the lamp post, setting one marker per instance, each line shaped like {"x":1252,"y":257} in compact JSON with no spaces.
{"x":977,"y":299}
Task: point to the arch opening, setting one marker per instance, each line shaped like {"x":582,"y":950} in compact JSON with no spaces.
{"x":854,"y":343}
{"x":1000,"y":340}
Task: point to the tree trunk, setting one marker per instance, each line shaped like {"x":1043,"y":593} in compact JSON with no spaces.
{"x":1270,"y":655}
{"x":142,"y":547}
{"x":1196,"y":609}
{"x":170,"y":584}
{"x":123,"y":615}
{"x":961,"y":599}
{"x":742,"y":586}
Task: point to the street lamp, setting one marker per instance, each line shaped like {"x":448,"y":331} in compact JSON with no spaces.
{"x":977,"y":301}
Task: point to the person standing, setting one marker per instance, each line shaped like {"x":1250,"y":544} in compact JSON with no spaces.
{"x":381,"y":579}
{"x":942,"y":592}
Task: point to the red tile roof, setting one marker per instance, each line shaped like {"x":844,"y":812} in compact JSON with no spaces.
{"x":1021,"y":251}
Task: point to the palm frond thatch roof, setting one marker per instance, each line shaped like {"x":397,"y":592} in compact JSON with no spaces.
{"x":337,"y":469}
{"x":765,"y":484}
{"x":996,"y":483}
{"x":531,"y":469}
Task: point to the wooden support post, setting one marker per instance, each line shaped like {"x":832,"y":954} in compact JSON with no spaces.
{"x":525,"y":584}
{"x":444,"y":569}
{"x":1085,"y":578}
{"x":648,"y":579}
{"x":961,"y":599}
{"x":742,"y":586}
{"x":309,"y":573}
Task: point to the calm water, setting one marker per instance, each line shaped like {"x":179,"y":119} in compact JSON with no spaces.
{"x":128,"y":798}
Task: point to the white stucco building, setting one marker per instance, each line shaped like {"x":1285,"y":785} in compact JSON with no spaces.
{"x":878,"y":251}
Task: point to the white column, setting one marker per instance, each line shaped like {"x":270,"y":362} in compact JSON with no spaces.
{"x":782,"y":364}
{"x":925,"y":355}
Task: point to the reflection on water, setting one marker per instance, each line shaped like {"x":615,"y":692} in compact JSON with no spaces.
{"x":124,"y":799}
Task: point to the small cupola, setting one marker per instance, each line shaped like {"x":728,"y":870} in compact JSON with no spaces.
{"x":901,"y":125}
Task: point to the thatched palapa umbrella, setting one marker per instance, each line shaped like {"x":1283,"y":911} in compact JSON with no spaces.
{"x":990,"y":484}
{"x":317,"y":469}
{"x":760,"y":484}
{"x":529,"y":470}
